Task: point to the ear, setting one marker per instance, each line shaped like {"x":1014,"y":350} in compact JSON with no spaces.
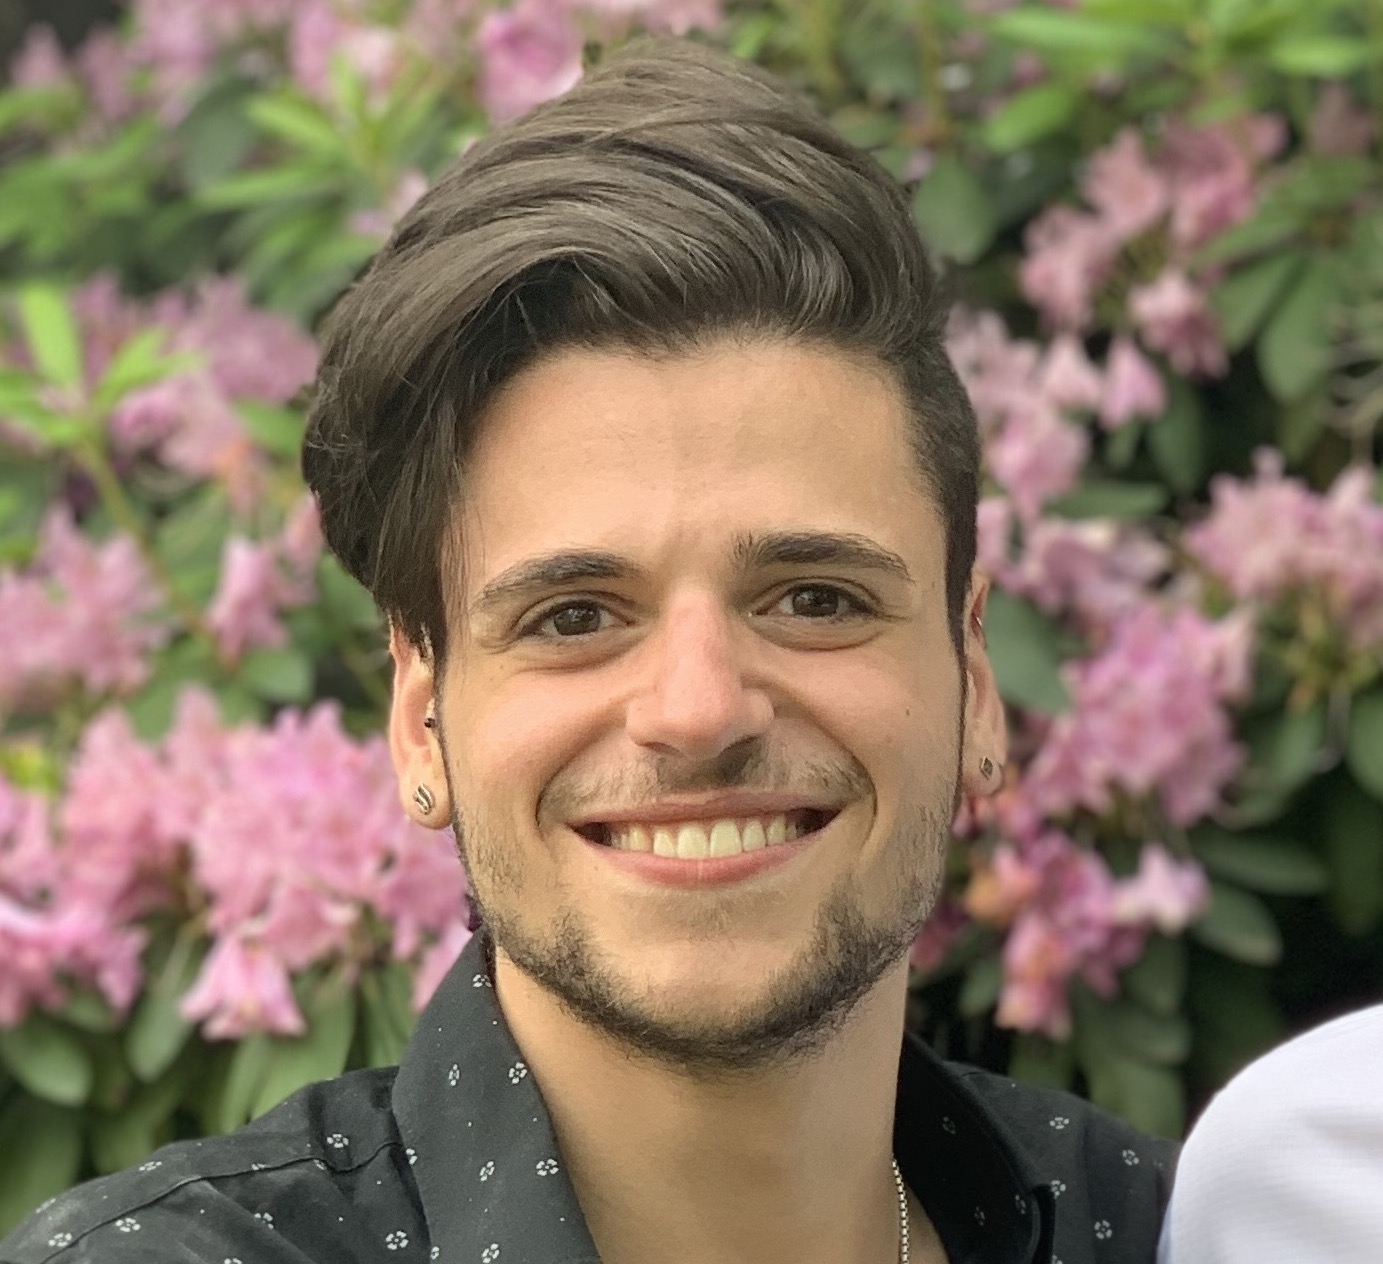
{"x":415,"y":748}
{"x":986,"y":731}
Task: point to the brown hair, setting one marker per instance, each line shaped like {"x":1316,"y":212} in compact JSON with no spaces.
{"x":674,"y":195}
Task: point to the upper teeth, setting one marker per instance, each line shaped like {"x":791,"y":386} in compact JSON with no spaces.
{"x":694,"y":840}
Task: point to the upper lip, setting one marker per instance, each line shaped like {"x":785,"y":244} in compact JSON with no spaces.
{"x":718,"y":807}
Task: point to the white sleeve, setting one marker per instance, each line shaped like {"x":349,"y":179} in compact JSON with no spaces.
{"x":1286,"y":1164}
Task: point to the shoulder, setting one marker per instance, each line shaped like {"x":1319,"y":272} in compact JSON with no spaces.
{"x":1281,"y":1159}
{"x":205,"y":1200}
{"x":1108,"y":1180}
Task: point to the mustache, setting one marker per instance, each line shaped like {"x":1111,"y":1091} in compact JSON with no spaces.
{"x":748,"y":766}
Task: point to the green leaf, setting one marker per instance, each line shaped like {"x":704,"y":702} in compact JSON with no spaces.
{"x":1294,"y":349}
{"x":386,"y":997}
{"x":48,"y":1060}
{"x":298,"y":122}
{"x":1037,"y":1060}
{"x":139,"y":362}
{"x":279,"y":430}
{"x":1179,"y":440}
{"x":954,"y":212}
{"x":1161,"y":1038}
{"x":1322,"y":56}
{"x":1152,"y":1098}
{"x":40,"y":1155}
{"x":1353,"y":844}
{"x":1024,"y":649}
{"x":1099,"y":498}
{"x":979,"y":993}
{"x":1120,"y":1079}
{"x":1364,"y":753}
{"x":1240,"y":926}
{"x":1245,"y":298}
{"x":1069,"y":31}
{"x":278,"y":675}
{"x":1284,"y":748}
{"x":231,"y":1102}
{"x":158,"y":1032}
{"x":1029,"y":116}
{"x":89,"y":1011}
{"x":51,"y":333}
{"x":273,"y":184}
{"x":122,"y":1138}
{"x":1261,"y":862}
{"x":348,"y":602}
{"x":319,"y":1054}
{"x":1157,"y":980}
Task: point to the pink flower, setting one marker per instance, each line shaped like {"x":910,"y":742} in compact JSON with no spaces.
{"x":1133,"y":387}
{"x":1037,"y":457}
{"x":319,"y":33}
{"x":1174,"y":317}
{"x":1097,"y":569}
{"x":83,"y":611}
{"x":1270,"y":537}
{"x":40,"y":62}
{"x":1069,"y":256}
{"x":1214,"y":171}
{"x":1038,"y":964}
{"x":1149,"y":718}
{"x":674,"y":16}
{"x":1130,"y":194}
{"x":1165,"y":893}
{"x":253,"y":590}
{"x":104,"y":64}
{"x":242,"y":989}
{"x":529,"y":53}
{"x":437,"y":960}
{"x":1068,"y":377}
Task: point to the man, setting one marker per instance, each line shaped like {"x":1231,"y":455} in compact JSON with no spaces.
{"x":1286,"y":1163}
{"x":642,"y":434}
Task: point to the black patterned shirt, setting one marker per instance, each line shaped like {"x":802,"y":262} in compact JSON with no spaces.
{"x":451,"y":1157}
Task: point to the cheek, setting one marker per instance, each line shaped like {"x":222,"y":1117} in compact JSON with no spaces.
{"x":513,"y":741}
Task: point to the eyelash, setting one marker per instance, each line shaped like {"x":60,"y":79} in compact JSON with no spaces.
{"x":860,"y":608}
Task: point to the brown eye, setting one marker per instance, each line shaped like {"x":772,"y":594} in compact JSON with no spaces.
{"x":578,"y":619}
{"x":817,"y":601}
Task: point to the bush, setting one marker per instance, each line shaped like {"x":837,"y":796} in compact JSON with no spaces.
{"x":1163,"y":224}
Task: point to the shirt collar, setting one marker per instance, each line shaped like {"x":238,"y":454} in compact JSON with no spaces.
{"x":481,"y":1141}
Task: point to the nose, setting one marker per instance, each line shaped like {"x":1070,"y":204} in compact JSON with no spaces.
{"x":694,"y":701}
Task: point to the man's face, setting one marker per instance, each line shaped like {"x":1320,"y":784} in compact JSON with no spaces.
{"x":700,"y":607}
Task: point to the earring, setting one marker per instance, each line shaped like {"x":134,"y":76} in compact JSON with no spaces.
{"x":425,"y":800}
{"x":430,"y":722}
{"x":986,"y":768}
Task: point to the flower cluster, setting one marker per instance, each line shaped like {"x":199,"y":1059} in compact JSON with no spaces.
{"x":527,"y":52}
{"x":81,"y":612}
{"x":1066,"y":915}
{"x":189,"y":420}
{"x":286,"y":843}
{"x":1148,"y":720}
{"x":1133,"y":246}
{"x":1032,"y":403}
{"x":1270,"y":537}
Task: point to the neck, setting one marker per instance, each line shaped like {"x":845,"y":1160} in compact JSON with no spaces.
{"x":790,"y":1164}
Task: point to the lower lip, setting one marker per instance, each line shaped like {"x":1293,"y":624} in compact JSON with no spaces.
{"x":714,"y":871}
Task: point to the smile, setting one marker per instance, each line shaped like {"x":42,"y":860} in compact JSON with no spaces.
{"x":707,"y":839}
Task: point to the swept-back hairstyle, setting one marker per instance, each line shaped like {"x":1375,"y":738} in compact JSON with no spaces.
{"x":675,"y":195}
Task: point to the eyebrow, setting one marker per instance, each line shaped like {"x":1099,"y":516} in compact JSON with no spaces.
{"x":535,"y":576}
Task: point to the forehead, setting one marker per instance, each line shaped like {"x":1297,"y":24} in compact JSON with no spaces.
{"x":684,"y":454}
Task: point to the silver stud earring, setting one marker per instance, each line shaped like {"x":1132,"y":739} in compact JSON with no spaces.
{"x":425,"y":800}
{"x":986,"y":768}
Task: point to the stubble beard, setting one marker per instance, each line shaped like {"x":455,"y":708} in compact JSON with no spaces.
{"x":798,"y":1012}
